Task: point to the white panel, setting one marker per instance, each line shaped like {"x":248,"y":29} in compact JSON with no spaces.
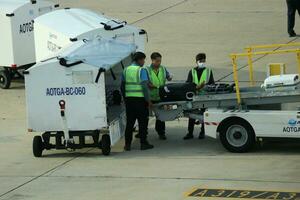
{"x":6,"y":49}
{"x":82,"y":77}
{"x":115,"y":132}
{"x":48,"y":83}
{"x":16,"y":36}
{"x":52,"y":33}
{"x":264,"y":122}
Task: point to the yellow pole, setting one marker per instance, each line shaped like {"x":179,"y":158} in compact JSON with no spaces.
{"x":274,"y":45}
{"x":267,"y":52}
{"x":250,"y":65}
{"x":235,"y":78}
{"x":298,"y":59}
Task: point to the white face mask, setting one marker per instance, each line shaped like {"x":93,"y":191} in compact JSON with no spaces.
{"x":201,"y":64}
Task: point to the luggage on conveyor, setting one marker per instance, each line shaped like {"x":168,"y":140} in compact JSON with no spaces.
{"x":282,"y":82}
{"x":219,"y":88}
{"x":177,"y":91}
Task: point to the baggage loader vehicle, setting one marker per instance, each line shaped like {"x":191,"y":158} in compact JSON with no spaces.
{"x":75,"y":96}
{"x":230,"y":115}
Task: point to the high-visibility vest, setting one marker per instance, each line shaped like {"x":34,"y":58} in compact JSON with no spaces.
{"x":157,"y":80}
{"x":204,"y":76}
{"x":133,"y":87}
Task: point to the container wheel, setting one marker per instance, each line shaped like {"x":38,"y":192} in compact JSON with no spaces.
{"x":237,"y":136}
{"x":105,"y":145}
{"x":5,"y":79}
{"x":37,"y":146}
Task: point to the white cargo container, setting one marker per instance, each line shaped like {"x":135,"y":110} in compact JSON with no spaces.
{"x":16,"y":37}
{"x":77,"y":94}
{"x":60,"y":28}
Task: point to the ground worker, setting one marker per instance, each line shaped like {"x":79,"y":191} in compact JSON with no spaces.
{"x":158,"y":76}
{"x":135,"y":90}
{"x":293,"y":6}
{"x":200,"y":75}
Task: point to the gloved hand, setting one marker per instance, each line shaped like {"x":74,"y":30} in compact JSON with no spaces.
{"x":200,"y":86}
{"x":170,"y":77}
{"x":151,"y":86}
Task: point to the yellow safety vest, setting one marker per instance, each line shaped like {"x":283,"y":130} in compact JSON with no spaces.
{"x":158,"y":79}
{"x":133,"y":87}
{"x":204,"y":76}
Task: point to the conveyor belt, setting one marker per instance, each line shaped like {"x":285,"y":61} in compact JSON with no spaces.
{"x":250,"y":96}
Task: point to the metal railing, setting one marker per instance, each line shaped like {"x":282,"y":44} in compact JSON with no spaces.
{"x":251,"y":49}
{"x":250,"y":53}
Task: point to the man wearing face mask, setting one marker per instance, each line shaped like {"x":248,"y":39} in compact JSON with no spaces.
{"x":200,"y":75}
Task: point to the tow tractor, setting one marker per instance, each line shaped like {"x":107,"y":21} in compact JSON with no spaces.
{"x":230,"y":117}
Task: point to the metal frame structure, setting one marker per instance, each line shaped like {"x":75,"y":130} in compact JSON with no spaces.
{"x":241,"y":118}
{"x":250,"y":55}
{"x":250,"y":50}
{"x":241,"y":99}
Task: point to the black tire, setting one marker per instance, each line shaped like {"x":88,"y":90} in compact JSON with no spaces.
{"x":37,"y":146}
{"x":5,"y":79}
{"x":105,"y":145}
{"x":237,"y":136}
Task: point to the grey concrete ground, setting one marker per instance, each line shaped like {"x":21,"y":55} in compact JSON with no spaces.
{"x":179,"y":29}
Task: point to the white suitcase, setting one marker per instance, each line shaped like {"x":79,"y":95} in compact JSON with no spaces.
{"x":284,"y":81}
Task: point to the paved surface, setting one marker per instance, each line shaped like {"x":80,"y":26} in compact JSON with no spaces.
{"x":179,"y":29}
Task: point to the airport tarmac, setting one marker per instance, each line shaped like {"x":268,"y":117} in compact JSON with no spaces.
{"x":174,"y":169}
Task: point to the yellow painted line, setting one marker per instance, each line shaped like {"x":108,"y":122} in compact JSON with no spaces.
{"x":258,"y":190}
{"x":186,"y":194}
{"x":202,"y":192}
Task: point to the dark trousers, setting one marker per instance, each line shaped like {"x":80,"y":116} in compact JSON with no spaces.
{"x":192,"y":125}
{"x":136,"y":109}
{"x":192,"y":122}
{"x":293,"y":6}
{"x":160,"y":126}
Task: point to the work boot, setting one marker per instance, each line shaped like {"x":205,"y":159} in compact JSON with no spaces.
{"x":127,"y":147}
{"x":188,"y":136}
{"x":162,"y":136}
{"x":146,"y":145}
{"x":292,"y":34}
{"x":201,"y":135}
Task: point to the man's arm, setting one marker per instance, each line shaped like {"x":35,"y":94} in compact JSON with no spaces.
{"x":168,"y":75}
{"x":146,"y":90}
{"x":122,"y":87}
{"x":145,"y":84}
{"x":211,"y":80}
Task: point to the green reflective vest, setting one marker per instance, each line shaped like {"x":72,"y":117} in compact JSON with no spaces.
{"x":157,"y":79}
{"x":133,"y":87}
{"x":204,"y":78}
